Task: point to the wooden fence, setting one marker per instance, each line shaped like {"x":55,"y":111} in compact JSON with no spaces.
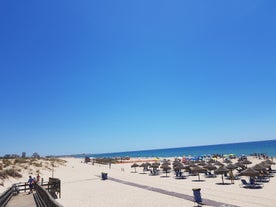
{"x":44,"y":193}
{"x":6,"y":196}
{"x":44,"y":199}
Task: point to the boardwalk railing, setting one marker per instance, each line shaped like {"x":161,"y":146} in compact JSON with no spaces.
{"x":6,"y":196}
{"x":44,"y":199}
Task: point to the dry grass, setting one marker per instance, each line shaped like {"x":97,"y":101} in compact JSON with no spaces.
{"x":20,"y":161}
{"x":10,"y":173}
{"x":38,"y":165}
{"x":7,"y":163}
{"x":56,"y":160}
{"x":14,"y":167}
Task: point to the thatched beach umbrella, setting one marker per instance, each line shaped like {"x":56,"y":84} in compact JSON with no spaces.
{"x":155,"y":165}
{"x":265,"y":164}
{"x":187,"y":168}
{"x":197,"y":169}
{"x":269,"y":162}
{"x":218,"y":163}
{"x":221,"y":170}
{"x":180,"y":166}
{"x":211,"y":161}
{"x":166,"y":162}
{"x":166,"y":168}
{"x":145,"y":166}
{"x":246,"y":162}
{"x":202,"y":163}
{"x":249,"y":172}
{"x":135,"y":165}
{"x":231,"y":166}
{"x":259,"y":167}
{"x":191,"y":164}
{"x":239,"y":164}
{"x":227,"y":161}
{"x":176,"y":162}
{"x":210,"y":167}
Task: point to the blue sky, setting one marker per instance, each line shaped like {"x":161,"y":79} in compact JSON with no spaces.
{"x":109,"y":76}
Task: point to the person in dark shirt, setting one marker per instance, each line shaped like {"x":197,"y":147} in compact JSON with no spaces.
{"x":31,"y":183}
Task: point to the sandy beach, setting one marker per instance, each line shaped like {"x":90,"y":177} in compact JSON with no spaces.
{"x":82,"y":186}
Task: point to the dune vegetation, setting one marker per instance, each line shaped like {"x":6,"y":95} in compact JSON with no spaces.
{"x":15,"y":167}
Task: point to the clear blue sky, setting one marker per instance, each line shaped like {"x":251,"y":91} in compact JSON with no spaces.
{"x":109,"y":76}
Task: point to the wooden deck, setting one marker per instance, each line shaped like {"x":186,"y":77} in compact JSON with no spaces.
{"x":22,"y":200}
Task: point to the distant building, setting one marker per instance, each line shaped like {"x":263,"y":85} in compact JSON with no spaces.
{"x":7,"y":156}
{"x":23,"y":155}
{"x":35,"y":155}
{"x":11,"y":156}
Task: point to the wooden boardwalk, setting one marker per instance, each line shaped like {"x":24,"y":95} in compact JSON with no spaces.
{"x":207,"y":202}
{"x":22,"y":200}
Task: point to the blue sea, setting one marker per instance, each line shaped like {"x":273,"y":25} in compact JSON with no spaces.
{"x":245,"y":148}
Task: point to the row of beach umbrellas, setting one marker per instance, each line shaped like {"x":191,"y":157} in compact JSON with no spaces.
{"x":203,"y":167}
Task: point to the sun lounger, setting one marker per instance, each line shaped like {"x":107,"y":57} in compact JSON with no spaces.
{"x":236,"y":177}
{"x":251,"y":185}
{"x":154,"y":172}
{"x":210,"y":175}
{"x":262,"y":179}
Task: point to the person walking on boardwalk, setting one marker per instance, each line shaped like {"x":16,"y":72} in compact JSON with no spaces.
{"x":31,"y":183}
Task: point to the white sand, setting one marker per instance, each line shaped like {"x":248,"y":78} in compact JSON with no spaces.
{"x":81,"y":186}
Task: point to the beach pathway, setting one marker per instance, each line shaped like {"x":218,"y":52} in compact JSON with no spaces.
{"x":22,"y":200}
{"x":175,"y":194}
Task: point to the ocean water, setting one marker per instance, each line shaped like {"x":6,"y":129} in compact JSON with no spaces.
{"x":267,"y":147}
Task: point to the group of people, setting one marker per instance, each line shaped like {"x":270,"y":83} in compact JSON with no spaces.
{"x":32,"y":181}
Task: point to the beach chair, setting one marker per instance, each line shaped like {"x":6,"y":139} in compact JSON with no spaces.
{"x":250,"y":185}
{"x":262,"y":179}
{"x":210,"y":175}
{"x":154,"y":172}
